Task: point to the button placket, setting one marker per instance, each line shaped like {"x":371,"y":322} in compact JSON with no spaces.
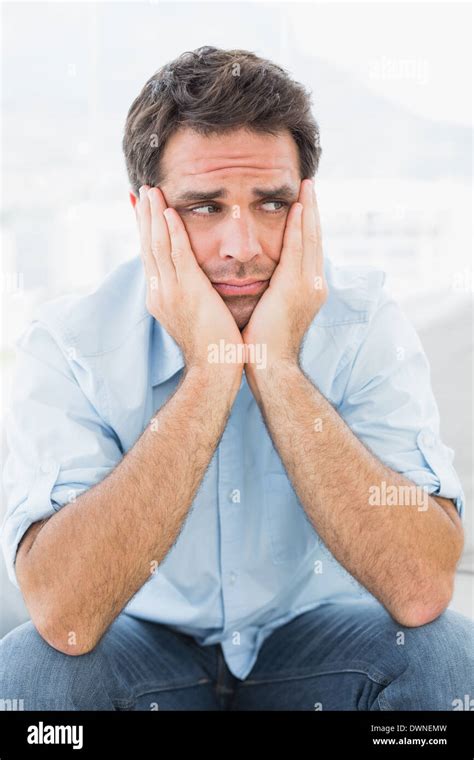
{"x":230,"y":513}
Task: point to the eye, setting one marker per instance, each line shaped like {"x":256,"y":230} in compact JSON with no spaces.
{"x":282,"y":205}
{"x":197,"y":212}
{"x":209,"y":209}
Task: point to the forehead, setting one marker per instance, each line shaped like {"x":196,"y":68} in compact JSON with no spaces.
{"x":239,"y":155}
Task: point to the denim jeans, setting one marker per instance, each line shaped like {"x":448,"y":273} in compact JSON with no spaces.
{"x":339,"y":656}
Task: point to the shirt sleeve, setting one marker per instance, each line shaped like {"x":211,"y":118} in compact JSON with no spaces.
{"x":58,"y":445}
{"x":389,"y":404}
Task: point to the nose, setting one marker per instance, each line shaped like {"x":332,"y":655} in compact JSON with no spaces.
{"x":239,"y":240}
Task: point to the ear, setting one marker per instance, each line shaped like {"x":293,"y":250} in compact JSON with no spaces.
{"x":133,"y":198}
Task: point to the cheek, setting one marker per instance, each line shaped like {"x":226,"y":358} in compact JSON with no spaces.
{"x":274,"y":254}
{"x":273,"y":242}
{"x":203,"y":242}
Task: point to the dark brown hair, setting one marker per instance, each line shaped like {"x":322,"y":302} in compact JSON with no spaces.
{"x":214,"y":91}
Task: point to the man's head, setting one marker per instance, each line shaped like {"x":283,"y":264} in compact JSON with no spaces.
{"x":227,"y":136}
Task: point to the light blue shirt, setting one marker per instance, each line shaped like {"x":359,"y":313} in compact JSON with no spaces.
{"x":93,"y":369}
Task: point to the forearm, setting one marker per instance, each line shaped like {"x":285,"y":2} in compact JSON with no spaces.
{"x":404,"y":555}
{"x":93,"y":555}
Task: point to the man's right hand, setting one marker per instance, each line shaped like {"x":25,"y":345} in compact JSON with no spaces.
{"x":179,"y":295}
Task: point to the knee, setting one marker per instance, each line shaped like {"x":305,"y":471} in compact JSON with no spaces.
{"x":439,"y":664}
{"x":446,"y":641}
{"x":35,"y":676}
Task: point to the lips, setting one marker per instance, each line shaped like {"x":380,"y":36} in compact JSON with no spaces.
{"x":240,"y":287}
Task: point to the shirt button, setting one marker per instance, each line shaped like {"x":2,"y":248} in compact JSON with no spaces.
{"x":428,"y":439}
{"x":232,"y":578}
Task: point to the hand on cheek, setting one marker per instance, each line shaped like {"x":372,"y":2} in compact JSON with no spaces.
{"x":297,"y":289}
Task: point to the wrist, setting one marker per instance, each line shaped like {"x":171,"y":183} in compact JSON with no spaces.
{"x":279,"y":368}
{"x":219,"y":376}
{"x":276,"y":374}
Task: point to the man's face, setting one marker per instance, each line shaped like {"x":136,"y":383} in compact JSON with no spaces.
{"x":233,"y":193}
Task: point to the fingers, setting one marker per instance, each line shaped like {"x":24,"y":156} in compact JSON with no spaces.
{"x":319,"y":245}
{"x":144,"y":226}
{"x":312,"y":247}
{"x":302,"y":250}
{"x":182,"y":256}
{"x":292,"y":251}
{"x":167,"y":239}
{"x":160,"y":241}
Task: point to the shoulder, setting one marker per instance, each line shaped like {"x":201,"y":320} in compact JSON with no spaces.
{"x":354,"y":294}
{"x":103,"y":320}
{"x":359,"y":300}
{"x":359,"y":318}
{"x":373,"y":335}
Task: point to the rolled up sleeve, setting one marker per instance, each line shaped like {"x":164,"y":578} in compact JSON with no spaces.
{"x":58,"y":445}
{"x":389,"y":404}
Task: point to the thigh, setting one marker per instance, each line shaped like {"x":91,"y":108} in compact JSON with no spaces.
{"x":163,"y":669}
{"x":137,"y":665}
{"x":353,"y":655}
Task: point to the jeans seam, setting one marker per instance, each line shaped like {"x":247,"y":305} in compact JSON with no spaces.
{"x":123,"y":704}
{"x":130,"y":703}
{"x":148,"y":688}
{"x":384,"y":704}
{"x":225,"y":685}
{"x":373,"y":676}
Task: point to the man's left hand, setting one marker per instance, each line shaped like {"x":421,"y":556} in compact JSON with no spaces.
{"x":297,"y":288}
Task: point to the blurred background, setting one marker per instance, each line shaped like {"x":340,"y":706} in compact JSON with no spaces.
{"x":392,"y":93}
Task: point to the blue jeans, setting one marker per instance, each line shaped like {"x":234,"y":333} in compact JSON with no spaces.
{"x":340,"y":656}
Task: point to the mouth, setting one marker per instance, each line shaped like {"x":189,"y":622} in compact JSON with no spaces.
{"x":240,"y":287}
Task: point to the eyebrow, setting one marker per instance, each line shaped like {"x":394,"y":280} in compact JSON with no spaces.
{"x":286,"y":192}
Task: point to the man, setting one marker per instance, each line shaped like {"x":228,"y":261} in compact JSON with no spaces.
{"x":226,"y":484}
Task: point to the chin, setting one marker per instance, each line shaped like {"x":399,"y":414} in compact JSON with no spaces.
{"x":242,"y":310}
